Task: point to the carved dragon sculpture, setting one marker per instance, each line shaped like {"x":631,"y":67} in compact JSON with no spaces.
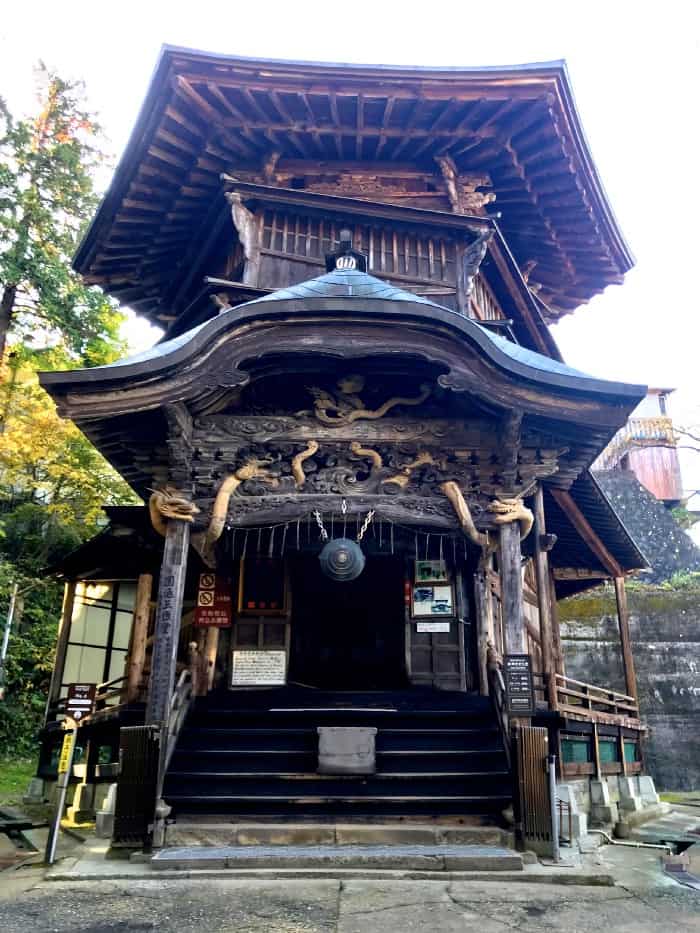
{"x":169,"y":502}
{"x":368,"y":453}
{"x":503,"y":510}
{"x":347,"y":406}
{"x":403,"y":477}
{"x":512,"y":510}
{"x":459,"y":504}
{"x":205,"y":541}
{"x":297,"y":469}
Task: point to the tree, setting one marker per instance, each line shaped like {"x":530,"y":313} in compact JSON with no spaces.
{"x":53,"y":482}
{"x":47,"y":164}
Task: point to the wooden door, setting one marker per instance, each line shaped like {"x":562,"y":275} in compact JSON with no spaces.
{"x":437,"y":659}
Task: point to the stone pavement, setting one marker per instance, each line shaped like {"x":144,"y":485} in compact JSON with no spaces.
{"x":350,"y":906}
{"x":90,"y":893}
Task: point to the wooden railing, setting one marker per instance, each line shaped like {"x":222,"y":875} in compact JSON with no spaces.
{"x":110,"y":690}
{"x":483,"y":305}
{"x":595,"y":704}
{"x":179,"y":707}
{"x":498,"y":693}
{"x":637,"y":432}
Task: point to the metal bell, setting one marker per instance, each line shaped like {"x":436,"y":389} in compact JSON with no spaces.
{"x":342,"y":559}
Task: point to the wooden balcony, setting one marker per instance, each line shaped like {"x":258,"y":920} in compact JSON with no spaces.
{"x":637,"y":432}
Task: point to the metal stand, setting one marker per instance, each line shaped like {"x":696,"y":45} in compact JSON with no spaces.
{"x":65,"y":769}
{"x":552,"y":768}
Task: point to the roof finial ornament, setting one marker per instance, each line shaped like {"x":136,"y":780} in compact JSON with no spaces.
{"x":345,"y":258}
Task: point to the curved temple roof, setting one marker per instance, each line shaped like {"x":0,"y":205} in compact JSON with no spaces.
{"x":351,"y":290}
{"x":208,"y":114}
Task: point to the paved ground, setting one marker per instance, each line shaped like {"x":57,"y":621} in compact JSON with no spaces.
{"x":29,"y":905}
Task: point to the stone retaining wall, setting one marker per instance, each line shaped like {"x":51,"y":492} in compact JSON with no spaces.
{"x":665,"y":631}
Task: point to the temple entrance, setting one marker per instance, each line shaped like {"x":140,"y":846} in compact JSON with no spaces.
{"x":350,"y":635}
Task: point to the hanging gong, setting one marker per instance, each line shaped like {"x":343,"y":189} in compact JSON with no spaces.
{"x":342,"y":559}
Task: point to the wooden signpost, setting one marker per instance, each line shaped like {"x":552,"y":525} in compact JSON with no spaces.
{"x":80,"y":701}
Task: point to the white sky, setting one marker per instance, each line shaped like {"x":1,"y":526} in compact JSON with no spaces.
{"x":635,"y":68}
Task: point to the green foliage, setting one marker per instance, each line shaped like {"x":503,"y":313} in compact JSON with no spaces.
{"x":684,"y":580}
{"x":15,"y":774}
{"x":47,"y":165}
{"x":53,"y":482}
{"x":683,"y":517}
{"x":30,"y":657}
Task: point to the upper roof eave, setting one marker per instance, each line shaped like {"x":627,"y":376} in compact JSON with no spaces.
{"x":546,"y":78}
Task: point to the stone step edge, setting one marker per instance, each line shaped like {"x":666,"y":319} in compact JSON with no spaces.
{"x":339,"y":834}
{"x":437,"y":858}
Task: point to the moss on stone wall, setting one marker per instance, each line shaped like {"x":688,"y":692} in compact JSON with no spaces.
{"x":665,"y":634}
{"x":641,"y":598}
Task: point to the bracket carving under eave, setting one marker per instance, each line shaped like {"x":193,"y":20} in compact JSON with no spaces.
{"x":169,"y":502}
{"x":512,"y":510}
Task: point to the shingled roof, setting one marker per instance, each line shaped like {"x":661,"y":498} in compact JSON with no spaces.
{"x":206,"y":114}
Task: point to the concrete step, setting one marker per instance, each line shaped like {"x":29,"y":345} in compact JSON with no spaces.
{"x":339,"y":834}
{"x":436,"y":858}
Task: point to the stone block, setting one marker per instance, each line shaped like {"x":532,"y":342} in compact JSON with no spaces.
{"x":104,"y":825}
{"x":82,"y":809}
{"x":613,"y":787}
{"x":579,"y":818}
{"x":274,"y":835}
{"x":346,"y":750}
{"x":647,"y":790}
{"x":629,"y":796}
{"x":474,"y":836}
{"x":627,"y":787}
{"x":101,"y":792}
{"x":104,"y":818}
{"x":511,"y":861}
{"x":35,"y":791}
{"x":606,"y":813}
{"x":384,"y":835}
{"x":600,"y":793}
{"x":579,"y":825}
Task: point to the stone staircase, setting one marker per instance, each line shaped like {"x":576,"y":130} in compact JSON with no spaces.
{"x":254,"y":754}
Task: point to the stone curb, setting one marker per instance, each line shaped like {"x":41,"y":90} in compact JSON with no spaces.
{"x":377,"y":874}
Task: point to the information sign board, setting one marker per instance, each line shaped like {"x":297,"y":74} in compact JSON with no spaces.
{"x":80,"y":701}
{"x":432,"y":626}
{"x":64,"y":759}
{"x":258,"y":668}
{"x":214,"y":601}
{"x":520,"y":691}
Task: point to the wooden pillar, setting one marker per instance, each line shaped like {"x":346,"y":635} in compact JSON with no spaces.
{"x":624,"y":626}
{"x":484,"y":626}
{"x":139,"y":636}
{"x":62,"y":642}
{"x":168,"y":613}
{"x":512,"y":589}
{"x":544,"y":598}
{"x":558,"y":651}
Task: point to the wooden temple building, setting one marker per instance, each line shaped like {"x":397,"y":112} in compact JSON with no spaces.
{"x":364,"y":461}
